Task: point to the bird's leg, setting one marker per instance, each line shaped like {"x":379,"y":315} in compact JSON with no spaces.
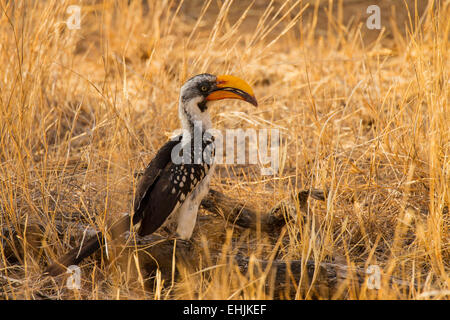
{"x":172,"y":235}
{"x":186,"y":244}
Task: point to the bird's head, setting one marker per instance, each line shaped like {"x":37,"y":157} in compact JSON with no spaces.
{"x":199,"y":90}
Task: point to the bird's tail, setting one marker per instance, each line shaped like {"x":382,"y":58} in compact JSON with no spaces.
{"x":76,"y":255}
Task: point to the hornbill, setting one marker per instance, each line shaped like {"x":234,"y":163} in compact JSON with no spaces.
{"x":177,"y":179}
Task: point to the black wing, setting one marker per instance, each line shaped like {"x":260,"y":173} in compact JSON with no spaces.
{"x":166,"y":185}
{"x":150,"y":176}
{"x":174,"y":185}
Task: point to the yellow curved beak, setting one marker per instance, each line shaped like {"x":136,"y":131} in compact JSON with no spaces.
{"x":231,"y":87}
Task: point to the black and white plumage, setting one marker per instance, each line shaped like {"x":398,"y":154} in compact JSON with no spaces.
{"x":171,"y":193}
{"x":177,"y":179}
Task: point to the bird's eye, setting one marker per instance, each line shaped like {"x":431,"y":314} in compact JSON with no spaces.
{"x":204,"y":88}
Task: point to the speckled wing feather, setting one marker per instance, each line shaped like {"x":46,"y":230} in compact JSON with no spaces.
{"x":166,"y":185}
{"x":176,"y":183}
{"x":150,"y":176}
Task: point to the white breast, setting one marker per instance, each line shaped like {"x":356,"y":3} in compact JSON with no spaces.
{"x":187,"y":214}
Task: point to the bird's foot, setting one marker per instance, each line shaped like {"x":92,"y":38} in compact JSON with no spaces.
{"x":186,"y":243}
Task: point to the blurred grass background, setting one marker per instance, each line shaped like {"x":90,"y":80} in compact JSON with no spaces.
{"x":362,"y":113}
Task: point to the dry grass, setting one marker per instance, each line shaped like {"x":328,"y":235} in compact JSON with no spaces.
{"x":363,"y":114}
